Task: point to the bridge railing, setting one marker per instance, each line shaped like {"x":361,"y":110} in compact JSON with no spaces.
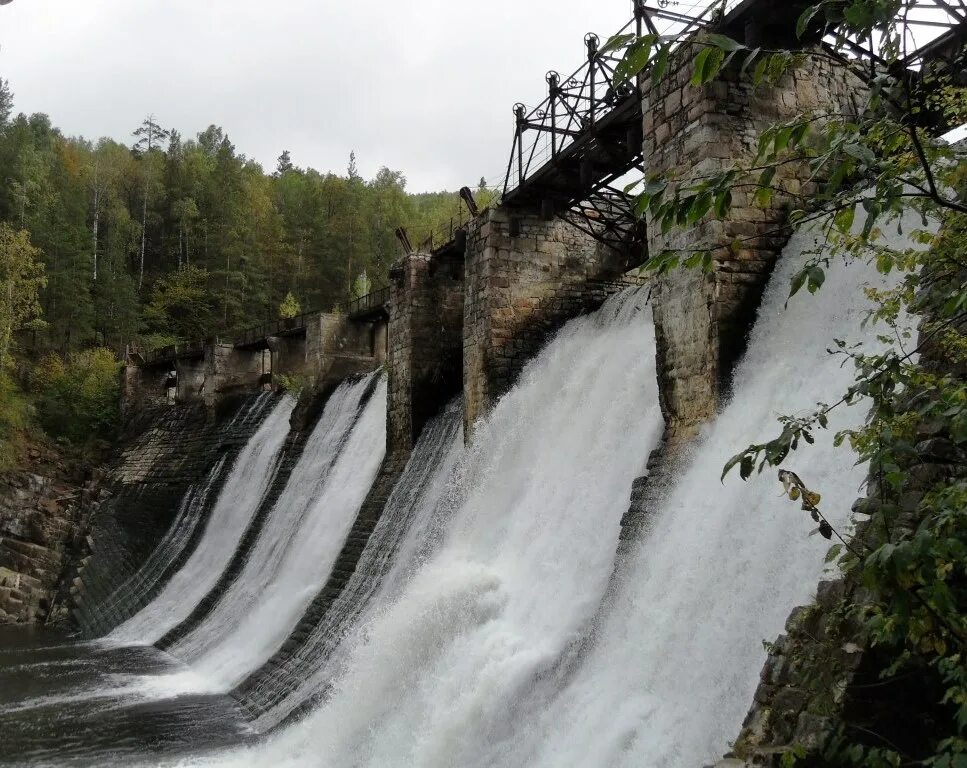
{"x":171,"y":352}
{"x":576,"y":103}
{"x":279,"y":327}
{"x":368,"y":303}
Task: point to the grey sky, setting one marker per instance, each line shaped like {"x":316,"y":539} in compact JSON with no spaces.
{"x":422,"y":86}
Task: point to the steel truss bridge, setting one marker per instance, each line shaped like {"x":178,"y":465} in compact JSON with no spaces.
{"x":574,"y":151}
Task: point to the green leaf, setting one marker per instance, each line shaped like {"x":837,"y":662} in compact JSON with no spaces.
{"x":746,"y":466}
{"x":724,"y":42}
{"x":843,"y":220}
{"x":707,"y":65}
{"x":798,"y":281}
{"x":816,"y":279}
{"x":804,"y":18}
{"x":660,"y":64}
{"x":617,"y":41}
{"x":636,"y":58}
{"x":748,"y":61}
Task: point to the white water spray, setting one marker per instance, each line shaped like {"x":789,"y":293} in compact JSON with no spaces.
{"x":524,"y":561}
{"x":239,"y":498}
{"x":299,"y":542}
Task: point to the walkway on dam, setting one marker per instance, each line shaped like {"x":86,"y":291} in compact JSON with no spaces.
{"x":366,"y":309}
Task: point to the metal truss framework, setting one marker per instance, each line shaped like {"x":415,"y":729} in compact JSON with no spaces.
{"x":572,"y":150}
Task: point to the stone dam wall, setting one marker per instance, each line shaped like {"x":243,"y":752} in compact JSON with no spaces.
{"x":466,"y":323}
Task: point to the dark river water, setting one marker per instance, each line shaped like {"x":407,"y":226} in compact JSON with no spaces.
{"x":64,"y":703}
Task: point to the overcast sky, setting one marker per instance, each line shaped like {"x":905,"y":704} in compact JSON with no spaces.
{"x":422,"y":86}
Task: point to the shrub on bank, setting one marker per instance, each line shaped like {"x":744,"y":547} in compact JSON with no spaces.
{"x":78,"y":395}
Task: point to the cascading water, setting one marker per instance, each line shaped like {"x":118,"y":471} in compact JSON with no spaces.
{"x":240,"y":496}
{"x":410,"y":522}
{"x":502,"y":650}
{"x":299,"y":541}
{"x":171,"y":547}
{"x":677,"y":657}
{"x":524,"y":559}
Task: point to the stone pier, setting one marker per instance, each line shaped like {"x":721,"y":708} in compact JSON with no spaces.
{"x":425,"y":344}
{"x":524,"y":278}
{"x":701,"y":320}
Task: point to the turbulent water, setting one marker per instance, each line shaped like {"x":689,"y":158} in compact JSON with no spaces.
{"x":406,"y":532}
{"x":299,"y":543}
{"x":488,"y":622}
{"x":240,"y":497}
{"x":524,"y":559}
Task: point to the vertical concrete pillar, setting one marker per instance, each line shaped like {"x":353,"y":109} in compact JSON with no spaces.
{"x":380,"y":332}
{"x":519,"y":288}
{"x":701,"y":320}
{"x":425,"y":344}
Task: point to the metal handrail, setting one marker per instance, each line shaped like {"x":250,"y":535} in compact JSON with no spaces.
{"x":370,"y":301}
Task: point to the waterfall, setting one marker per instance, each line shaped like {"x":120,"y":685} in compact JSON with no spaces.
{"x":237,"y":502}
{"x":298,"y":543}
{"x":407,"y":528}
{"x":678,"y":654}
{"x":170,"y":549}
{"x":518,"y":570}
{"x":515,"y":643}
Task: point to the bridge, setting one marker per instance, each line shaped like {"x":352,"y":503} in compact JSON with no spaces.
{"x":572,"y":152}
{"x":484,"y":292}
{"x":371,"y":308}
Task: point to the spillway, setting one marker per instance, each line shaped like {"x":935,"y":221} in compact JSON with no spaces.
{"x":236,"y":504}
{"x":405,"y":534}
{"x":515,"y":574}
{"x":299,"y":540}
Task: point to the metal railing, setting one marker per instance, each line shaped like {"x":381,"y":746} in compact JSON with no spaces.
{"x":170,"y":353}
{"x":574,"y":105}
{"x":280,"y":327}
{"x":370,"y":302}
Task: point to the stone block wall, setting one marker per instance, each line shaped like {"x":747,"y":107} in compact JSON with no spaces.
{"x":231,"y":371}
{"x":166,"y":450}
{"x":701,"y":320}
{"x":425,"y":344}
{"x":336,"y":346}
{"x":521,"y":288}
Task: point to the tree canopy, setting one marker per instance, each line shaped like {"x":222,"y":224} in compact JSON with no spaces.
{"x":116,"y":226}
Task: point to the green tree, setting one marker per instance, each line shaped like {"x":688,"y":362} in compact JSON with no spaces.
{"x":6,"y":102}
{"x":284,"y":164}
{"x":149,"y":137}
{"x":182,"y":305}
{"x":289,"y":308}
{"x":21,"y":278}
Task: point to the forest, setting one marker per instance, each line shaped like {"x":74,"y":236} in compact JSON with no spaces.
{"x":169,"y":237}
{"x":107,"y":245}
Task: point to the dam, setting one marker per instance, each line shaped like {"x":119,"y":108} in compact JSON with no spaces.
{"x":491,"y":529}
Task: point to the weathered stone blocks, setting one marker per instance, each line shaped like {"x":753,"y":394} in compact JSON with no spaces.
{"x":425,"y":344}
{"x":520,"y":289}
{"x":701,"y":320}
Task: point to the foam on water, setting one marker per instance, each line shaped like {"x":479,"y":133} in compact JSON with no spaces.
{"x":237,"y":502}
{"x":522,"y":565}
{"x":299,"y":542}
